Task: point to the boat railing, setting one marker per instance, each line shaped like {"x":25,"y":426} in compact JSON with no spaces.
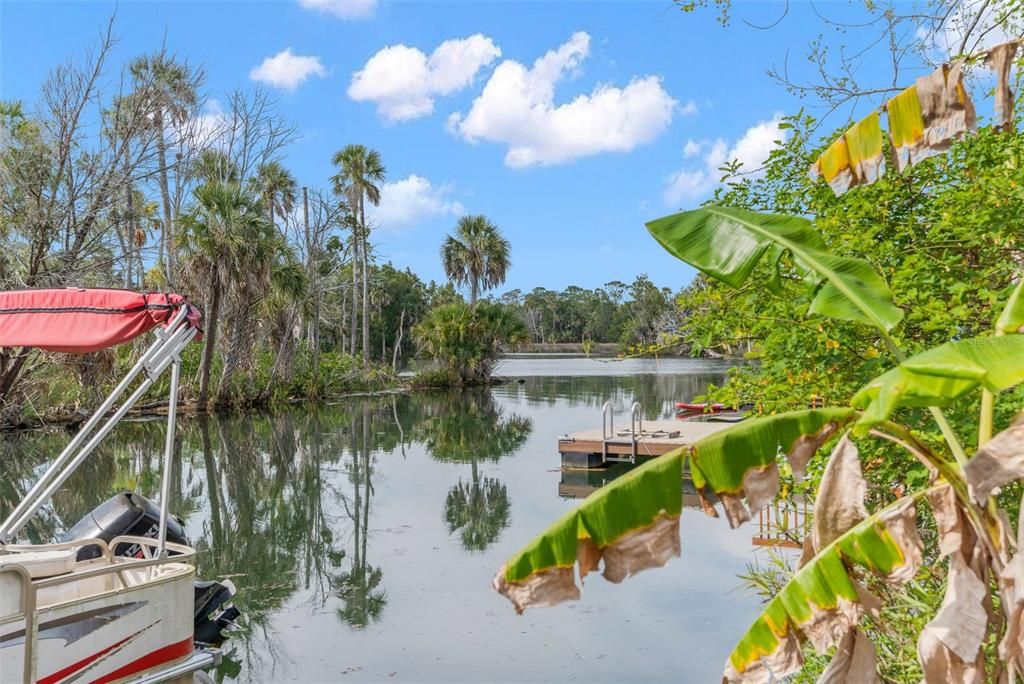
{"x":105,"y":551}
{"x":114,"y":565}
{"x":27,"y":616}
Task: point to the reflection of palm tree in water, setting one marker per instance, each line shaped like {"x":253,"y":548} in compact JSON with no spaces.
{"x":358,"y":587}
{"x":468,"y":428}
{"x":479,"y":509}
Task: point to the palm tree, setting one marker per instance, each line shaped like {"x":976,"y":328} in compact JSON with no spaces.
{"x":477,"y":255}
{"x":213,"y":166}
{"x":170,"y":88}
{"x":223,"y":240}
{"x":360,"y":174}
{"x":288,"y":288}
{"x":277,"y":187}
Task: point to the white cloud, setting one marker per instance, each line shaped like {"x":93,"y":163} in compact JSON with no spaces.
{"x":343,"y":9}
{"x":403,"y":81}
{"x":286,"y":70}
{"x":517,"y":107}
{"x":406,"y":202}
{"x":751,"y":150}
{"x":688,"y":109}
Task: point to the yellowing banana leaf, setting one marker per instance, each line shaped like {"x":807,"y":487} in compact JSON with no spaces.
{"x":942,"y":375}
{"x":741,"y":461}
{"x":633,"y":523}
{"x":1011,"y":320}
{"x":728,"y":243}
{"x":822,"y":602}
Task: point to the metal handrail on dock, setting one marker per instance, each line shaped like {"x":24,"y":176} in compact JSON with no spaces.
{"x":608,"y":436}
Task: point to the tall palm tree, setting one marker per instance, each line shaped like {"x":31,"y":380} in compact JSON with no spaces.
{"x":223,"y":241}
{"x":360,"y":174}
{"x":477,"y":255}
{"x":276,"y":185}
{"x":171,"y":90}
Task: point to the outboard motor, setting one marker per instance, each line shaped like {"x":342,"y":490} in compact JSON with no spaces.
{"x":126,"y":513}
{"x":132,"y":514}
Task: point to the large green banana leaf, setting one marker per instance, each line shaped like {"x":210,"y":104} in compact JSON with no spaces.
{"x":822,"y":602}
{"x":741,"y":462}
{"x":633,"y":523}
{"x":942,"y":375}
{"x":728,"y":243}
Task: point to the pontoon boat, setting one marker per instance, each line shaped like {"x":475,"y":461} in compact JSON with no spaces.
{"x":116,"y":598}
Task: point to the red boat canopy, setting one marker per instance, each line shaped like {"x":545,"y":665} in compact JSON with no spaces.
{"x":80,"y":320}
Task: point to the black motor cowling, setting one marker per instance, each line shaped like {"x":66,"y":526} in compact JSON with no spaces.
{"x":132,"y":514}
{"x":126,"y":513}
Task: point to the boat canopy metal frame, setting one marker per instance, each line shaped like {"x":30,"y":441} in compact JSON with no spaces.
{"x":164,"y":353}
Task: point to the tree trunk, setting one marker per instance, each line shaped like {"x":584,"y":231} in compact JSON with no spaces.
{"x":209,"y":340}
{"x":131,"y":229}
{"x":126,"y":255}
{"x":344,"y":317}
{"x":237,"y":355}
{"x":474,"y":285}
{"x":366,"y":311}
{"x":398,"y":341}
{"x":167,"y":237}
{"x":315,"y":270}
{"x":355,"y":292}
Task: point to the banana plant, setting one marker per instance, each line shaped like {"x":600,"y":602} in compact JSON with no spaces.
{"x":633,"y":523}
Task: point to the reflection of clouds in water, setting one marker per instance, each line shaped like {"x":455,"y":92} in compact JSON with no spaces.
{"x":272,"y":501}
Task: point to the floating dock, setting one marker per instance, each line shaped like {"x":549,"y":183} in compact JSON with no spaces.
{"x":598,"y":447}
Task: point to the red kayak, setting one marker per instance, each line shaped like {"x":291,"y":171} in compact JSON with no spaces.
{"x":683,"y":406}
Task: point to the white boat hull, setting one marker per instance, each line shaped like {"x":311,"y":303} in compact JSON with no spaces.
{"x":110,"y":620}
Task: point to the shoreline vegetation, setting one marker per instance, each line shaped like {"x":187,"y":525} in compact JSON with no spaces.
{"x":116,"y":178}
{"x":67,"y":403}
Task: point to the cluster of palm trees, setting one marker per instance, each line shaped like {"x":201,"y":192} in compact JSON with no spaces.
{"x":163,"y":192}
{"x":236,"y":255}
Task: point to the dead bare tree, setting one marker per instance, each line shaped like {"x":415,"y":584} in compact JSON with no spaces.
{"x":67,"y":168}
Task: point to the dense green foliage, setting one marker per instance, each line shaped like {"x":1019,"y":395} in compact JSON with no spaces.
{"x":465,"y":342}
{"x":948,"y":236}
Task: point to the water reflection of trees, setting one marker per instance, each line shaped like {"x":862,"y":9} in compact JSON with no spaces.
{"x":359,"y":586}
{"x":262,"y":508}
{"x":468,"y":427}
{"x":657,"y":393}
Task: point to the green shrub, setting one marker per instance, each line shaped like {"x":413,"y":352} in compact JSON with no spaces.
{"x":465,"y":342}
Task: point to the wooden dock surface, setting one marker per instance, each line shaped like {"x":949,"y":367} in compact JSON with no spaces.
{"x":657,"y":439}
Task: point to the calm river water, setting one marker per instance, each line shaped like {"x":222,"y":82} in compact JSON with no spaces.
{"x":363,"y":535}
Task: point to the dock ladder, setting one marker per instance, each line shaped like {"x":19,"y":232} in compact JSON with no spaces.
{"x":608,"y":436}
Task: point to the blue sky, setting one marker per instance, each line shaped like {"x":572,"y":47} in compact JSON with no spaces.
{"x":624,"y":121}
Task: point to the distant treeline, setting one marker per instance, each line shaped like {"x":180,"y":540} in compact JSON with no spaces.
{"x":625,"y":314}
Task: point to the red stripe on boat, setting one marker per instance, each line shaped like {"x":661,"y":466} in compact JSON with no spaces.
{"x":71,"y":669}
{"x":157,"y":657}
